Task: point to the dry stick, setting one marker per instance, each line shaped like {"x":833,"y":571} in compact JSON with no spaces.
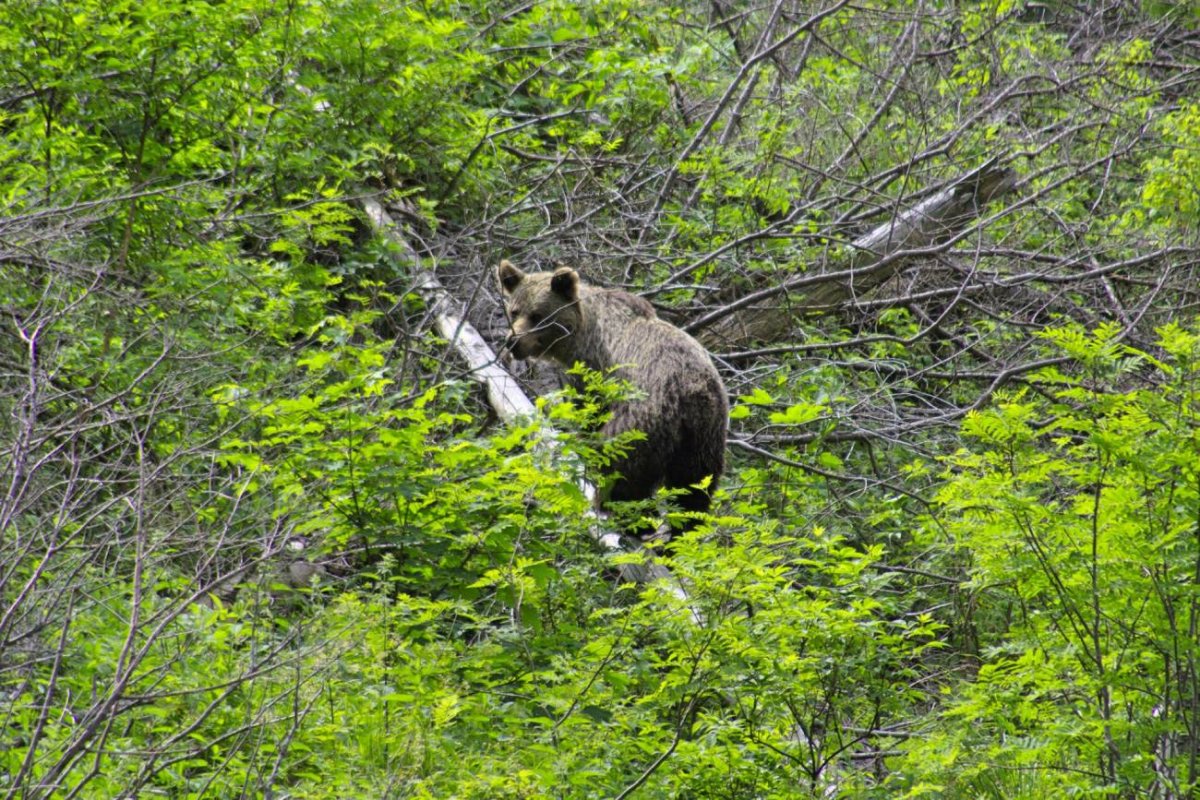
{"x":505,"y":395}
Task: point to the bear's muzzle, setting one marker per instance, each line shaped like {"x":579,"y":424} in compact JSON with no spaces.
{"x":515,"y":345}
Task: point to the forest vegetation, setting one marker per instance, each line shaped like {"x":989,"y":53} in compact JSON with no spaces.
{"x":263,"y":536}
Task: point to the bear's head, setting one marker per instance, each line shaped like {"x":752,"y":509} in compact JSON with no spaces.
{"x":543,"y":310}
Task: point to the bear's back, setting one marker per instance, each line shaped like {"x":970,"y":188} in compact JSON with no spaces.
{"x":663,"y":361}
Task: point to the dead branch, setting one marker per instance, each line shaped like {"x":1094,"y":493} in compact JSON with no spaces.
{"x":873,"y":259}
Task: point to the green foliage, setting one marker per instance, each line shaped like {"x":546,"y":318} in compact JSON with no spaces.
{"x":366,"y":469}
{"x":1076,"y":508}
{"x":516,"y":714}
{"x":258,"y":540}
{"x":1171,"y":189}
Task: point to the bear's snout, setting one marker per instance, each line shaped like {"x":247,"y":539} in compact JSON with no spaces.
{"x":516,"y":345}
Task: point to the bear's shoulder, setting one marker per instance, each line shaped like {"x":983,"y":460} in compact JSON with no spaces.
{"x":624,"y":303}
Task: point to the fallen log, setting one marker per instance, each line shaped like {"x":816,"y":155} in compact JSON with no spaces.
{"x":873,"y":258}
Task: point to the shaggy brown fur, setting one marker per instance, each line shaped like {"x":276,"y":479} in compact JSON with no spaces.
{"x":682,"y":407}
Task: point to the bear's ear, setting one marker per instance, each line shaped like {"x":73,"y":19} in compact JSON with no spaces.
{"x":565,"y":283}
{"x":509,"y":276}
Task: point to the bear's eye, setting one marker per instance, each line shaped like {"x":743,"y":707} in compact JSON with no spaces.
{"x":535,"y":318}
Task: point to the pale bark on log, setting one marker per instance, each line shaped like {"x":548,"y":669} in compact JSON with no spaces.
{"x":874,"y":258}
{"x":504,"y":393}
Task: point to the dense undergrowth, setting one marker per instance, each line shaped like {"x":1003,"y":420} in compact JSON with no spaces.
{"x":259,"y":536}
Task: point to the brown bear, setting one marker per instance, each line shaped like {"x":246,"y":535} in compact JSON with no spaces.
{"x":680,"y":402}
